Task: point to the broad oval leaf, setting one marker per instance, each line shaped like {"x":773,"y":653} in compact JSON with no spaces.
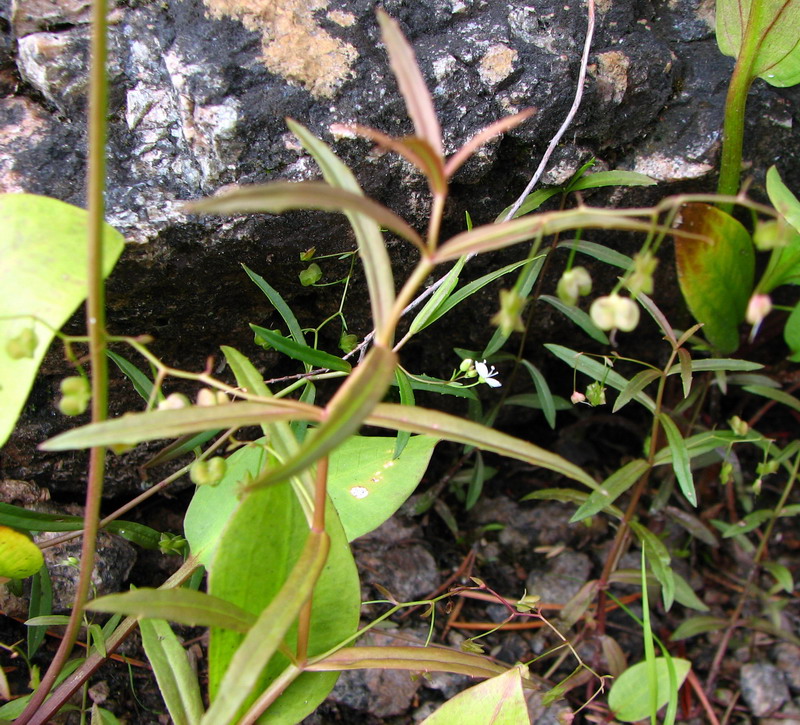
{"x":629,"y":700}
{"x":767,"y":31}
{"x":43,"y":275}
{"x":368,"y":484}
{"x":716,"y":272}
{"x":497,"y":701}
{"x":19,"y":556}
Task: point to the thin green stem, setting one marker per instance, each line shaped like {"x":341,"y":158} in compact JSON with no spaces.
{"x":95,"y":323}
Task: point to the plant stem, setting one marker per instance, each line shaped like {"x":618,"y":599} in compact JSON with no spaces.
{"x":95,"y":323}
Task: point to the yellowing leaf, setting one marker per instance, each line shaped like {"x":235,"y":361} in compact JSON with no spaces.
{"x":19,"y":556}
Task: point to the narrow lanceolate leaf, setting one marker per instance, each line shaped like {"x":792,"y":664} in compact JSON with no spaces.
{"x":281,"y":196}
{"x":686,"y":370}
{"x":659,"y":559}
{"x":459,"y":430}
{"x":699,"y":624}
{"x":543,"y":392}
{"x":279,"y":304}
{"x":611,"y":489}
{"x":177,"y":682}
{"x":417,"y":151}
{"x":712,"y":364}
{"x":298,"y":351}
{"x":416,"y":659}
{"x":343,"y":416}
{"x":611,"y":178}
{"x":579,"y":317}
{"x":636,"y":385}
{"x":428,"y":313}
{"x":371,"y":245}
{"x":184,"y":606}
{"x":680,"y":457}
{"x":486,"y":134}
{"x":265,"y":636}
{"x":715,"y":271}
{"x":779,"y":396}
{"x":137,"y":427}
{"x":411,"y":83}
{"x":490,"y":237}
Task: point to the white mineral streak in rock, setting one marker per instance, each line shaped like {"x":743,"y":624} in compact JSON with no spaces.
{"x":670,"y":168}
{"x":293,"y":44}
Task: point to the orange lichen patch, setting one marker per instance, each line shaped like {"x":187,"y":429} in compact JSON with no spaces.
{"x":612,"y":75}
{"x":293,"y":45}
{"x":497,"y":63}
{"x":342,"y":18}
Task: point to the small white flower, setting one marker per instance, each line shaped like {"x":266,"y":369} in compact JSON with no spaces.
{"x":487,"y":374}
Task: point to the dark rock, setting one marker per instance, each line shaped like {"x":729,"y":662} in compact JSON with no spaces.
{"x":565,"y":575}
{"x":199,"y":90}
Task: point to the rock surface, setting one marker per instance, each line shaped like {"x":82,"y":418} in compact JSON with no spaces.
{"x":199,"y":90}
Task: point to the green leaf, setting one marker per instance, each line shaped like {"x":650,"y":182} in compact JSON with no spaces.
{"x":543,"y":392}
{"x":791,"y":333}
{"x":680,"y":457}
{"x":368,"y":484}
{"x":299,"y":351}
{"x":497,"y":701}
{"x":371,"y":246}
{"x":782,"y":575}
{"x":636,"y":385}
{"x":749,"y":523}
{"x":698,"y":625}
{"x":271,"y":577}
{"x":134,"y":428}
{"x":19,"y":556}
{"x":629,"y":701}
{"x":406,"y":391}
{"x":41,"y":604}
{"x":599,"y":252}
{"x":141,"y":383}
{"x":611,"y":489}
{"x":598,"y":371}
{"x":531,"y":400}
{"x":176,"y":680}
{"x":459,"y":430}
{"x":101,"y":716}
{"x":20,"y":518}
{"x":281,"y":196}
{"x":716,"y":272}
{"x":344,"y":414}
{"x":782,"y":198}
{"x":279,"y":304}
{"x":181,"y":605}
{"x":43,"y":275}
{"x":765,"y":32}
{"x":427,"y":314}
{"x":713,"y":364}
{"x":659,"y":559}
{"x":685,"y":595}
{"x":779,"y":396}
{"x":611,"y":178}
{"x":491,"y":237}
{"x":579,"y":317}
{"x":532,"y":202}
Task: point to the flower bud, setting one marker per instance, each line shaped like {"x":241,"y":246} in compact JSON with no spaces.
{"x":23,"y":345}
{"x":310,"y":275}
{"x":577,"y":397}
{"x":574,"y":283}
{"x":208,"y":473}
{"x":615,"y":312}
{"x":758,"y":308}
{"x":206,"y":397}
{"x":174,"y":401}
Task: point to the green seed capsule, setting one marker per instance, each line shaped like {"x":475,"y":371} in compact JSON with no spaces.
{"x":23,"y":345}
{"x":208,"y":473}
